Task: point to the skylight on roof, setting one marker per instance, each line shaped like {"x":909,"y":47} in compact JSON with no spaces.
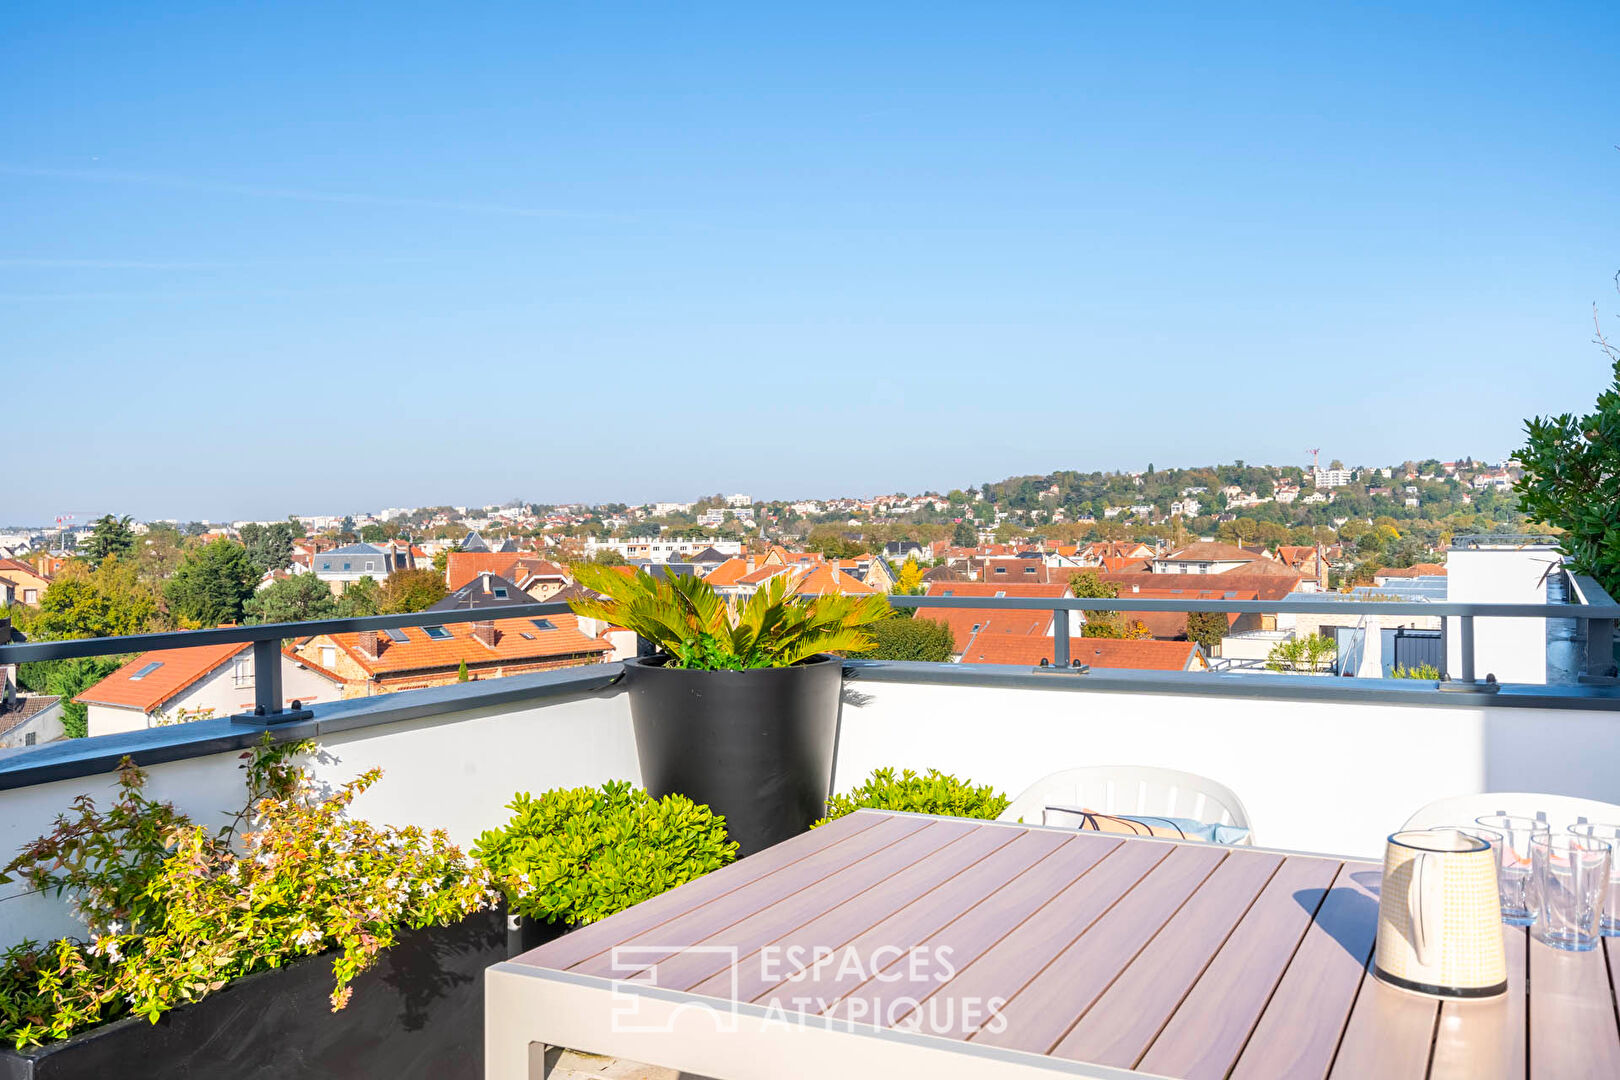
{"x":146,"y":669}
{"x":436,"y":633}
{"x":398,"y":636}
{"x":543,"y":624}
{"x":500,"y":592}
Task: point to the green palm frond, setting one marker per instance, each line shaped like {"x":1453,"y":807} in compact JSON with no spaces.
{"x":699,"y":628}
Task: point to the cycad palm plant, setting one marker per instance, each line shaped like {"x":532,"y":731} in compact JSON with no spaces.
{"x":700,"y":629}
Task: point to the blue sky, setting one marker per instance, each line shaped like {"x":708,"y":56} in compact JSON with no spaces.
{"x":313,"y":258}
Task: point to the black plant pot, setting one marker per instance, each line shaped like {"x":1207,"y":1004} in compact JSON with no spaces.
{"x":417,"y":1015}
{"x":756,"y":746}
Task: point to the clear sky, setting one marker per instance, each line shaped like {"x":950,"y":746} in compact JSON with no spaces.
{"x":312,"y":258}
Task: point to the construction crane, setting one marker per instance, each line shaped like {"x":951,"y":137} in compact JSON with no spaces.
{"x":1315,"y":464}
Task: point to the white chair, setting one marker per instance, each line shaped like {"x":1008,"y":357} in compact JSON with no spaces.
{"x":1559,"y":811}
{"x":1132,"y":789}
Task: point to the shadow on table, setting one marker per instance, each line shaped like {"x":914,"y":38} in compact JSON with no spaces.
{"x":1346,"y":912}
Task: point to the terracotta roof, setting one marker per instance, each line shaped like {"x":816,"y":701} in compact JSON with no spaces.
{"x":460,"y":567}
{"x":824,"y":580}
{"x":19,"y":567}
{"x":1422,"y":569}
{"x":965,"y":623}
{"x":1212,"y":552}
{"x":727,"y":573}
{"x":516,"y":641}
{"x":992,"y":588}
{"x":1273,"y":584}
{"x":1025,"y":570}
{"x":1098,"y":652}
{"x":180,"y":668}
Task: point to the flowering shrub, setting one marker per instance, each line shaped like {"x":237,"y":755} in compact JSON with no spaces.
{"x":581,"y":854}
{"x":932,"y":793}
{"x":291,"y":875}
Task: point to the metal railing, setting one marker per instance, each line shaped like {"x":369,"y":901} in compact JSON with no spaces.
{"x":1597,"y":611}
{"x":269,"y":704}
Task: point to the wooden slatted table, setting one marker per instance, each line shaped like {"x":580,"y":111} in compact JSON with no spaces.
{"x":901,"y":945}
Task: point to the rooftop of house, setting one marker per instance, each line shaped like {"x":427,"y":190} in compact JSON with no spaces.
{"x":1030,"y":650}
{"x":485,"y":590}
{"x":23,"y":709}
{"x":436,"y":648}
{"x":152,"y":678}
{"x":1212,"y":551}
{"x":1415,"y":570}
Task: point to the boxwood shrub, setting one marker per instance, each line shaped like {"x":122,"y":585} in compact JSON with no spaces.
{"x":933,"y":792}
{"x":580,"y":854}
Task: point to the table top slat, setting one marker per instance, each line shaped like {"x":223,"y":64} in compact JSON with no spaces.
{"x":1485,"y":1040}
{"x":1390,"y":1034}
{"x":1026,"y":872}
{"x":1300,"y":1028}
{"x":1573,"y":1030}
{"x":1047,"y":997}
{"x":1025,"y":923}
{"x":825,"y":900}
{"x":586,"y":941}
{"x":1121,"y":1027}
{"x":832,"y":929}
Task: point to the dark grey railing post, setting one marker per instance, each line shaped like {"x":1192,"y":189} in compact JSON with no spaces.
{"x":267,"y":696}
{"x":1599,"y":666}
{"x":1465,"y":642}
{"x":1060,"y":638}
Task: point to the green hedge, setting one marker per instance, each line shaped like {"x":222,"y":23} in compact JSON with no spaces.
{"x":933,"y":792}
{"x":582,"y":854}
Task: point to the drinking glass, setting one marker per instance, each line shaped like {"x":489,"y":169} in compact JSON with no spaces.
{"x":1609,"y":925}
{"x":1571,"y":875}
{"x":1513,"y":864}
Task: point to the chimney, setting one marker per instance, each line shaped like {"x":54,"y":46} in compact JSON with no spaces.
{"x":484,"y":630}
{"x":371,"y":644}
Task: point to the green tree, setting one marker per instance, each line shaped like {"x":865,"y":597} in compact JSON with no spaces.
{"x":462,"y":674}
{"x":965,"y":535}
{"x":1571,"y":480}
{"x":68,"y":679}
{"x":607,"y":557}
{"x":373,"y":534}
{"x":411,"y":590}
{"x":112,"y":536}
{"x":833,"y":544}
{"x":1207,"y":628}
{"x":910,"y":639}
{"x":299,"y":598}
{"x":1100,"y":624}
{"x":269,"y":546}
{"x":360,"y":598}
{"x":107,"y":602}
{"x":441,"y":558}
{"x":211,"y":584}
{"x":1301,"y":654}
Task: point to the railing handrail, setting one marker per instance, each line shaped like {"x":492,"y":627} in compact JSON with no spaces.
{"x":1289,"y":605}
{"x":71,"y":648}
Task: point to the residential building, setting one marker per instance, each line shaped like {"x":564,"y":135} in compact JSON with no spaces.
{"x":175,"y":685}
{"x":27,"y":583}
{"x":484,"y":591}
{"x":1022,"y":571}
{"x":1331,"y":478}
{"x":657,"y":549}
{"x":1206,"y":557}
{"x":384,"y":661}
{"x":343,"y":566}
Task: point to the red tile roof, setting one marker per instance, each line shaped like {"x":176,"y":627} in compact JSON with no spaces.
{"x":1210,"y":551}
{"x":517,"y":641}
{"x":460,"y":567}
{"x":1266,"y":586}
{"x":1417,"y":570}
{"x":181,"y":668}
{"x":967,"y":622}
{"x":993,"y":588}
{"x":1098,"y":652}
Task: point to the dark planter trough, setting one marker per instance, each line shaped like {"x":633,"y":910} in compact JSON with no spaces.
{"x":756,"y":746}
{"x":417,"y":1015}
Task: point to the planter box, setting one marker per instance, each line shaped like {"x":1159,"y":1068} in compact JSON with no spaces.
{"x":417,"y":1015}
{"x":754,"y":746}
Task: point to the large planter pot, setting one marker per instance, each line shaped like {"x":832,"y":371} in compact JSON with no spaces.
{"x":417,"y":1015}
{"x":756,"y":746}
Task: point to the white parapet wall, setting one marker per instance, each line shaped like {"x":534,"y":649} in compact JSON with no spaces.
{"x":1327,"y":776}
{"x":1514,"y":650}
{"x":455,"y":769}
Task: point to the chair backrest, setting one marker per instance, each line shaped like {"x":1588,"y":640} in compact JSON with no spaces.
{"x":1131,"y":789}
{"x":1559,"y":810}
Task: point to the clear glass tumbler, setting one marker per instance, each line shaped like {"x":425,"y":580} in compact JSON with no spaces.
{"x":1571,"y":875}
{"x":1609,"y":923}
{"x":1513,"y":864}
